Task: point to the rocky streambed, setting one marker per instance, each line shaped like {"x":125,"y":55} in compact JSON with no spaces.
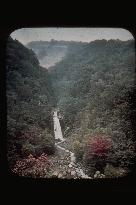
{"x":63,"y":163}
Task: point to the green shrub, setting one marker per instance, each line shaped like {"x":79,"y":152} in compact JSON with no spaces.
{"x":78,"y":150}
{"x":47,"y":143}
{"x":29,"y":103}
{"x":39,"y":143}
{"x":123,"y":153}
{"x":29,"y":148}
{"x":111,"y":171}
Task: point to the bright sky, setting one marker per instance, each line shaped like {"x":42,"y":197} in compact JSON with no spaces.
{"x":26,"y":35}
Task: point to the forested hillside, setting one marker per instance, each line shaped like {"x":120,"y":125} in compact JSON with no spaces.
{"x":30,"y":101}
{"x":93,"y":85}
{"x":51,"y":52}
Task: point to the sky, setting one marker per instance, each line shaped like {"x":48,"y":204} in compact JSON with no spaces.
{"x":26,"y":35}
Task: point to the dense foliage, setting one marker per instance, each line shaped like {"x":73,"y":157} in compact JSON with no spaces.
{"x":97,"y":151}
{"x":29,"y":104}
{"x":93,"y":86}
{"x":32,"y":167}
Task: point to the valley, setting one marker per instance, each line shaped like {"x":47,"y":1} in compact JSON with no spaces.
{"x":48,"y":53}
{"x":82,"y":102}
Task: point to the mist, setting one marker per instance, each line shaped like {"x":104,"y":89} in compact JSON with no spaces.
{"x":26,"y":35}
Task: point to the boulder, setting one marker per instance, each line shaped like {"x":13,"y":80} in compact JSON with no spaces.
{"x":95,"y":176}
{"x":97,"y":172}
{"x":64,"y":173}
{"x":98,"y":175}
{"x":102,"y":176}
{"x":69,"y":171}
{"x":70,"y":166}
{"x":73,"y":173}
{"x":55,"y":174}
{"x":60,"y":175}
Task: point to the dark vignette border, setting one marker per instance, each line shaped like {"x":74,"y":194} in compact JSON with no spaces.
{"x":125,"y":184}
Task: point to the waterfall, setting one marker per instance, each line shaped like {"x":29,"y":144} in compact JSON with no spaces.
{"x":57,"y":128}
{"x":59,"y":136}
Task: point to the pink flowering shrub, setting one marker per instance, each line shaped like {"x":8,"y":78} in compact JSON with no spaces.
{"x":99,"y":146}
{"x":32,"y":166}
{"x":97,"y":151}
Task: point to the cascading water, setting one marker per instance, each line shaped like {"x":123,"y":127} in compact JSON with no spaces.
{"x":59,"y":136}
{"x":57,"y":128}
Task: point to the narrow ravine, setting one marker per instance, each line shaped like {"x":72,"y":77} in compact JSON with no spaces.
{"x":59,"y":136}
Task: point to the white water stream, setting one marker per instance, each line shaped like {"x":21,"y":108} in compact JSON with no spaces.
{"x":59,"y":136}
